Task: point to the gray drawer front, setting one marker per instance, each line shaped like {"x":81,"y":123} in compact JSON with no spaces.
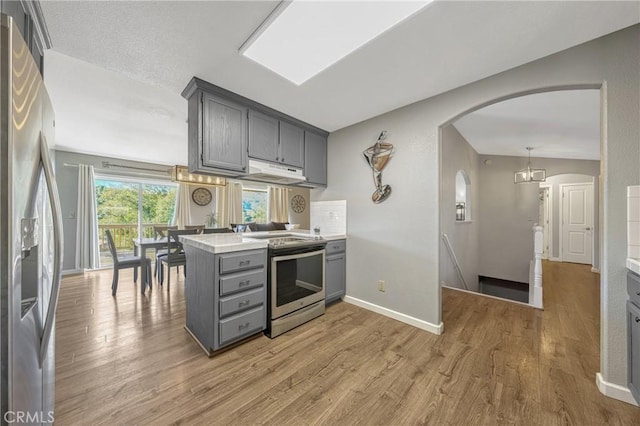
{"x":240,"y":261}
{"x":242,"y":281}
{"x":633,"y":287}
{"x":243,"y":325}
{"x":336,"y":246}
{"x":242,"y":302}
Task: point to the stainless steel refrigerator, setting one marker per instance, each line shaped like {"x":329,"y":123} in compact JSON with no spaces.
{"x":30,"y":236}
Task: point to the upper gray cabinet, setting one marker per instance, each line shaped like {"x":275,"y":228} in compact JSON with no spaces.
{"x":315,"y":159}
{"x":226,"y":129}
{"x":28,"y":18}
{"x":224,"y":134}
{"x":291,"y":145}
{"x":264,"y":136}
{"x":274,"y":140}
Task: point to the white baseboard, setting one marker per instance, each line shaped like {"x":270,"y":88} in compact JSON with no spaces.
{"x":595,"y":270}
{"x":424,"y":325}
{"x":555,"y":259}
{"x":614,"y":391}
{"x":72,"y":272}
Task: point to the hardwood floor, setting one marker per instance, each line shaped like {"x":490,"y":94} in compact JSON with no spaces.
{"x":128,"y":360}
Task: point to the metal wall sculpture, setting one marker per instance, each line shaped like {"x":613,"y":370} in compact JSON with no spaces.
{"x":378,"y":156}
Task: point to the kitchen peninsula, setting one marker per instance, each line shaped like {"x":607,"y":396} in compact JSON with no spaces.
{"x":227,"y":292}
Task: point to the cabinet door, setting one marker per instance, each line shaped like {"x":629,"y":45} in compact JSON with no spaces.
{"x":291,"y":145}
{"x":224,"y":134}
{"x":263,"y":136}
{"x":315,"y":158}
{"x":633,"y":353}
{"x":335,"y":277}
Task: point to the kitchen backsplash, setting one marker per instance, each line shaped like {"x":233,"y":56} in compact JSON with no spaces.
{"x":330,"y":216}
{"x":633,"y":221}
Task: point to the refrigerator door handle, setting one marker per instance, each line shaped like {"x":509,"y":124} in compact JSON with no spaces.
{"x":45,"y":161}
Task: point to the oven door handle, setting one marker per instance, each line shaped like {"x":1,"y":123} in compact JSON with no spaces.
{"x":298,"y":255}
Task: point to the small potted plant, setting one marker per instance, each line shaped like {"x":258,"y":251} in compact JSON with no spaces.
{"x":211,"y":220}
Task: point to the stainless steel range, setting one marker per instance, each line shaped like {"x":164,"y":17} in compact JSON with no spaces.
{"x":296,"y":282}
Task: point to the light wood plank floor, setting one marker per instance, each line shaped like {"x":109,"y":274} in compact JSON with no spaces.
{"x":128,"y":360}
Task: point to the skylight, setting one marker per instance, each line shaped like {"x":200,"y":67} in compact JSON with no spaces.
{"x":302,"y":38}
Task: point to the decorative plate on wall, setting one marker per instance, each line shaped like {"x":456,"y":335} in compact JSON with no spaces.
{"x":201,"y":196}
{"x":298,"y":204}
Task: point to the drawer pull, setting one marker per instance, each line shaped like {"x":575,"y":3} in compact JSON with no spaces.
{"x":244,"y":303}
{"x":244,"y":283}
{"x":637,"y":319}
{"x":244,"y":326}
{"x":244,"y":263}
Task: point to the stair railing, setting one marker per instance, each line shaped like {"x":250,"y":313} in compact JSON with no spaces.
{"x":456,"y":265}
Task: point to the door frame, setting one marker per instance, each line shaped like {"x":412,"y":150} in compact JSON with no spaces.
{"x":561,"y":187}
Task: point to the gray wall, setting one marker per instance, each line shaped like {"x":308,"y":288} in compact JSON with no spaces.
{"x":399,"y":241}
{"x":456,"y":155}
{"x":507,"y":212}
{"x":555,"y":182}
{"x":67,"y":179}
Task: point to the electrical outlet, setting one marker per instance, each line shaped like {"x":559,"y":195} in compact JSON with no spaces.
{"x":381,"y":285}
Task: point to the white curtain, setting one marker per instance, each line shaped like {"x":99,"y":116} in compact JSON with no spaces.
{"x":182,"y":211}
{"x":87,"y":250}
{"x":277,"y":204}
{"x":229,"y":204}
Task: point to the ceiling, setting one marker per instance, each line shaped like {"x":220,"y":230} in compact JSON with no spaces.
{"x":564,"y":124}
{"x":139,"y":56}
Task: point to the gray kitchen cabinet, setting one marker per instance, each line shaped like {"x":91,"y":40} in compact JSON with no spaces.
{"x":264,"y":136}
{"x":335,"y":270}
{"x":225,"y":295}
{"x":274,"y":140}
{"x":315,"y":159}
{"x":291,"y":145}
{"x":28,"y":18}
{"x":633,"y":335}
{"x":226,"y":129}
{"x":224,"y":134}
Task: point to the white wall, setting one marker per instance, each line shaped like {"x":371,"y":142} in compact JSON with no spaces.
{"x":456,"y":155}
{"x":507,"y":212}
{"x":398,"y":240}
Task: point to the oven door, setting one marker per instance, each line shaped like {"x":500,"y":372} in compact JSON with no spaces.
{"x":297,"y":279}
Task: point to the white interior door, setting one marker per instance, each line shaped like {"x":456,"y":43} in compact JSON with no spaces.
{"x":577,"y":223}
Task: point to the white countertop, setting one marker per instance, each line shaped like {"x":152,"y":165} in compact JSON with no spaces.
{"x":633,"y":264}
{"x":225,"y":243}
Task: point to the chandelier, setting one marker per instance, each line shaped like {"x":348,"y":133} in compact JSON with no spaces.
{"x":529,"y":174}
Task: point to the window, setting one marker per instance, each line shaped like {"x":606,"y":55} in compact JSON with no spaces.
{"x":463,"y":197}
{"x":254,"y":205}
{"x":130,"y":209}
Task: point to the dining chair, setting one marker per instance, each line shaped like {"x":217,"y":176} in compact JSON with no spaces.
{"x":159,"y":232}
{"x":217,"y":231}
{"x":175,"y":254}
{"x":198,"y":228}
{"x":123,"y":263}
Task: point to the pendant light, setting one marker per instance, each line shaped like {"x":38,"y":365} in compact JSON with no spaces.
{"x":530,"y":174}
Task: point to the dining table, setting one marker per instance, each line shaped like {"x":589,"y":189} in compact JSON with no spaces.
{"x":140,"y":246}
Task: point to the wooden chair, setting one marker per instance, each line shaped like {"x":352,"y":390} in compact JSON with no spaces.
{"x":198,"y":228}
{"x":159,"y":232}
{"x":123,"y":263}
{"x":217,"y":231}
{"x":175,"y":254}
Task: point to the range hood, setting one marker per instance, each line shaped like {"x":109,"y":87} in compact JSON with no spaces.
{"x":274,"y":173}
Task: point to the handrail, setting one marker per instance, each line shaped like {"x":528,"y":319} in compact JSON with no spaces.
{"x":447,"y":243}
